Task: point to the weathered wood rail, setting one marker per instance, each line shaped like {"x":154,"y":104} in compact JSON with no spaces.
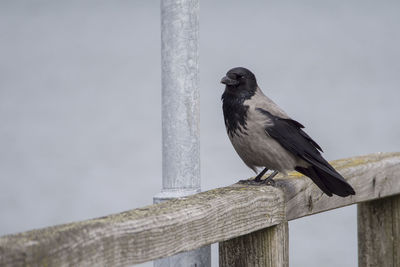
{"x":250,"y":222}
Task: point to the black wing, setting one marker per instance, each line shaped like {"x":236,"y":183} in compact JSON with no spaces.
{"x":290,"y":135}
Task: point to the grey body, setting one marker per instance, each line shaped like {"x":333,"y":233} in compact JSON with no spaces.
{"x":265,"y":136}
{"x":255,"y":147}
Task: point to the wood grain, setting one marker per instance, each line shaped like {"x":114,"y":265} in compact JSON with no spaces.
{"x":267,"y":247}
{"x":379,"y":232}
{"x":184,"y":224}
{"x":373,"y":176}
{"x":148,"y":233}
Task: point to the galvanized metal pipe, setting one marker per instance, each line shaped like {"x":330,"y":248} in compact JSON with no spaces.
{"x":180,"y":94}
{"x":180,"y":113}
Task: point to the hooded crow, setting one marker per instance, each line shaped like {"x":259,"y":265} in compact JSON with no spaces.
{"x":265,"y":136}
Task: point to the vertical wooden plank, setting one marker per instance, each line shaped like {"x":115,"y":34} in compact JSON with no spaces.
{"x":264,"y":248}
{"x":379,"y":232}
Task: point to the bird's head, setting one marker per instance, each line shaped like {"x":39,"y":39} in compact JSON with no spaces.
{"x":240,"y":80}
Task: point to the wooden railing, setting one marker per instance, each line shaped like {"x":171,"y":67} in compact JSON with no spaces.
{"x":249,"y":222}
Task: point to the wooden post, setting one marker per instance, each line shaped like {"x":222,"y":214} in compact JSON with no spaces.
{"x":379,"y":232}
{"x":268,"y":247}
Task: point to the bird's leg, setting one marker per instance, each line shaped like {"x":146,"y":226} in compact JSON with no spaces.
{"x":257,"y":180}
{"x":269,"y":180}
{"x":261,"y":174}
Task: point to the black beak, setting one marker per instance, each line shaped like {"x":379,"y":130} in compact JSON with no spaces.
{"x":228,"y":81}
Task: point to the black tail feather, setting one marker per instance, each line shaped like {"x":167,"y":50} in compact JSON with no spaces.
{"x":289,"y":134}
{"x":330,"y":182}
{"x":309,"y":172}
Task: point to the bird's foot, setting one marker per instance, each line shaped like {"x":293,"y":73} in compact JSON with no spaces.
{"x":251,"y":182}
{"x":269,"y":181}
{"x":257,"y":181}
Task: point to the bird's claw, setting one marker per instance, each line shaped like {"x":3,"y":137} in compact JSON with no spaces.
{"x":267,"y":181}
{"x":270,"y":182}
{"x":249,"y":182}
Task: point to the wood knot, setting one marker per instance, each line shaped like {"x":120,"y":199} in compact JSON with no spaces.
{"x":310,"y":203}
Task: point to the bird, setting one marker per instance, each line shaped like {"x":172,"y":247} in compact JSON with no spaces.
{"x":264,"y":136}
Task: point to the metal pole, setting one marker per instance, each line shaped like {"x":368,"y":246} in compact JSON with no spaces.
{"x":180,"y":113}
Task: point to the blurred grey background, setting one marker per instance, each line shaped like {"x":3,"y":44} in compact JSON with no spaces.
{"x":80,"y":129}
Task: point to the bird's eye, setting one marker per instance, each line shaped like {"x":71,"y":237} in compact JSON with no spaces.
{"x":232,"y":76}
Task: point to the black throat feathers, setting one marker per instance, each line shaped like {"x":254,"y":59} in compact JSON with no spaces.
{"x":235,"y":112}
